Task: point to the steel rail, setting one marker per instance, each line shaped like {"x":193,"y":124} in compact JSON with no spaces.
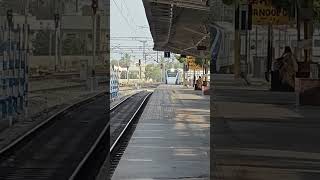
{"x":116,"y":142}
{"x":34,"y":130}
{"x":81,"y":168}
{"x":93,"y":158}
{"x":12,"y":147}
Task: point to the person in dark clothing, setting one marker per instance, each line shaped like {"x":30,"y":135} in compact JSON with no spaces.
{"x":198,"y":85}
{"x":283,"y":71}
{"x":275,"y":75}
{"x":194,"y":82}
{"x":288,"y":70}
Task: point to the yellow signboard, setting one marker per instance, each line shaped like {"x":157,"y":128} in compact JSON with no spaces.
{"x":191,"y":63}
{"x":263,"y":13}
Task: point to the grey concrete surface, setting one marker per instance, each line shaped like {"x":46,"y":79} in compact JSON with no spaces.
{"x":171,"y":140}
{"x":261,"y":135}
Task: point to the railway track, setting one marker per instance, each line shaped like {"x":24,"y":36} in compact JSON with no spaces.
{"x":123,"y":120}
{"x":70,"y":145}
{"x":102,"y":83}
{"x":64,"y":88}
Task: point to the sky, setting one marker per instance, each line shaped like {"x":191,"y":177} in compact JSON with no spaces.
{"x":128,"y":19}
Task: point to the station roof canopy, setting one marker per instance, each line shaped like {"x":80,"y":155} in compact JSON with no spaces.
{"x":179,"y":26}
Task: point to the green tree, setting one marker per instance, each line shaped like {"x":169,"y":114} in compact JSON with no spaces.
{"x":153,"y":72}
{"x":125,"y":60}
{"x":133,"y":75}
{"x":180,"y":59}
{"x":114,"y":62}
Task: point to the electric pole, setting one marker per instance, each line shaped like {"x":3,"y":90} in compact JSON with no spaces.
{"x":161,"y":67}
{"x":25,"y":48}
{"x":140,"y":71}
{"x":118,"y":69}
{"x":157,"y":56}
{"x":10,"y":93}
{"x":56,"y":20}
{"x":94,"y":6}
{"x":60,"y":37}
{"x":50,"y":44}
{"x":93,"y":45}
{"x":144,"y":52}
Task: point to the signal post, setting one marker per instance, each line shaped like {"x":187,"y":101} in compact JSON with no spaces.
{"x":92,"y":81}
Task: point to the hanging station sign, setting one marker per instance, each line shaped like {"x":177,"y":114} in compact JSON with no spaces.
{"x":263,"y":13}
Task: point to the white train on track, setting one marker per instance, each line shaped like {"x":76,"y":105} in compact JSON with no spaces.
{"x":173,"y":76}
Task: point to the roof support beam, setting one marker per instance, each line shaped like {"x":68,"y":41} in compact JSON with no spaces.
{"x":183,"y":4}
{"x":180,"y":51}
{"x":194,"y":31}
{"x":170,"y":24}
{"x":202,"y":39}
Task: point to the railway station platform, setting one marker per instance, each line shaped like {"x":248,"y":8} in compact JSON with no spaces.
{"x":262,"y":135}
{"x":171,"y":140}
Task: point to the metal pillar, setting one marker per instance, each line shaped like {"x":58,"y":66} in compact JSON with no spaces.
{"x":269,"y":54}
{"x":93,"y":46}
{"x":77,"y":6}
{"x":128,"y":74}
{"x":92,"y":81}
{"x":56,"y":51}
{"x":247,"y":55}
{"x":161,"y":70}
{"x":144,"y":52}
{"x":308,"y":32}
{"x":50,"y":44}
{"x":237,"y":43}
{"x":26,"y":65}
{"x":140,"y":72}
{"x":256,"y":41}
{"x":118,"y":70}
{"x":56,"y":19}
{"x":10,"y":23}
{"x":60,"y":44}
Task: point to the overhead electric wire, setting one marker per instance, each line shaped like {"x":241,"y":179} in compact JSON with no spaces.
{"x":126,"y":20}
{"x":128,"y":13}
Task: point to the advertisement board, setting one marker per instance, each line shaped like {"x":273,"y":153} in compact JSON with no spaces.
{"x":263,"y":13}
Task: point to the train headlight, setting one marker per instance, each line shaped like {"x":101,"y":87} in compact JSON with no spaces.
{"x":172,"y":70}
